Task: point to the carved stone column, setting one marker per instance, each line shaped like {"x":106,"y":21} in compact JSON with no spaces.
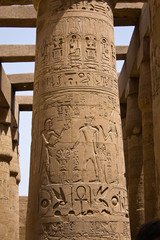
{"x":155,"y":76}
{"x":135,"y":158}
{"x":14,"y":196}
{"x":77,"y":185}
{"x":5,"y":158}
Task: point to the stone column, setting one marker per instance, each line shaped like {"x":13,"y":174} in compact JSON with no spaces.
{"x":14,"y":196}
{"x":155,"y":76}
{"x":5,"y":158}
{"x":135,"y":158}
{"x":145,"y":104}
{"x":77,"y":185}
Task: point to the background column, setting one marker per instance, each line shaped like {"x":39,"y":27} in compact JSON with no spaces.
{"x":135,"y":158}
{"x":5,"y":158}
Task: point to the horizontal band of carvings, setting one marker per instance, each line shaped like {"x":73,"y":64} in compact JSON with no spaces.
{"x":125,"y":14}
{"x":26,"y":53}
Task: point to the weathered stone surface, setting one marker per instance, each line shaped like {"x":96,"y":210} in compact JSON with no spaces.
{"x":145,"y":104}
{"x":21,"y":82}
{"x":15,"y":2}
{"x":13,"y":223}
{"x":155,"y":75}
{"x":17,"y":53}
{"x":135,"y":158}
{"x":22,"y":216}
{"x":18,"y":16}
{"x":77,"y":185}
{"x":5,"y":158}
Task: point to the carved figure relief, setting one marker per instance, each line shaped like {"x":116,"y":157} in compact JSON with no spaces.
{"x":74,"y":26}
{"x":49,"y":140}
{"x":113,"y":56}
{"x":57,"y":52}
{"x":91,"y":51}
{"x":104,"y":45}
{"x":75,"y":51}
{"x":88,"y":137}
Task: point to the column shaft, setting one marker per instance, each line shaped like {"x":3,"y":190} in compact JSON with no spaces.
{"x":135,"y":159}
{"x":77,"y":185}
{"x":14,"y":195}
{"x":145,"y":104}
{"x":5,"y":157}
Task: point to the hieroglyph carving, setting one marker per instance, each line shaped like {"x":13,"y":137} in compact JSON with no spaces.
{"x":95,"y":6}
{"x":82,"y":199}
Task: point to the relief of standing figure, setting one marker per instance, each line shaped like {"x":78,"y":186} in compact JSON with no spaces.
{"x":49,"y":140}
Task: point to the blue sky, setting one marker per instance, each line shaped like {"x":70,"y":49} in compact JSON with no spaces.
{"x":28,"y":36}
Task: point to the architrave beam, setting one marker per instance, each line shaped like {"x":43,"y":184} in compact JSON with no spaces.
{"x":25,"y":2}
{"x":25,"y":103}
{"x":125,"y":14}
{"x":135,"y":54}
{"x":21,"y":82}
{"x":17,"y":53}
{"x":18,"y":16}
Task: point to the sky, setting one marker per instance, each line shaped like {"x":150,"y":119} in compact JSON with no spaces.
{"x":28,"y":36}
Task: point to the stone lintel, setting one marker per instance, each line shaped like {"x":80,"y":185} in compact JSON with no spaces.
{"x":121,"y":52}
{"x":18,"y":16}
{"x":144,"y":50}
{"x":129,"y":62}
{"x":125,"y":14}
{"x":26,"y":53}
{"x":21,"y":82}
{"x":17,"y":53}
{"x":26,"y":2}
{"x":136,"y":52}
{"x":24,"y":102}
{"x":15,"y":2}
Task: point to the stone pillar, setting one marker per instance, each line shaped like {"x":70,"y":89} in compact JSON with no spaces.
{"x":155,"y":78}
{"x":77,"y":186}
{"x":145,"y":104}
{"x":5,"y":158}
{"x":14,"y":196}
{"x":135,"y":158}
